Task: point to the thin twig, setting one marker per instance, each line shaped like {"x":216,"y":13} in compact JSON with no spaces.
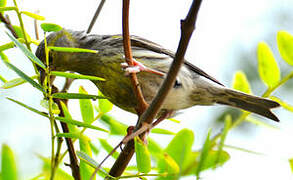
{"x":95,"y":16}
{"x":187,"y":27}
{"x":36,"y":26}
{"x":8,"y":25}
{"x":142,"y":104}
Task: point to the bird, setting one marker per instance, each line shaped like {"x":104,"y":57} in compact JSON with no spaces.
{"x":192,"y":87}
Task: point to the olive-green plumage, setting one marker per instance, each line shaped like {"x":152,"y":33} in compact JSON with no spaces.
{"x":193,"y":86}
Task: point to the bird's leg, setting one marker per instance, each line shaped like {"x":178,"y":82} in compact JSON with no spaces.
{"x":139,"y":67}
{"x":146,"y":127}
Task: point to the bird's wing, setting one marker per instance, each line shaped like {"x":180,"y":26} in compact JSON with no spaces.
{"x":146,"y":44}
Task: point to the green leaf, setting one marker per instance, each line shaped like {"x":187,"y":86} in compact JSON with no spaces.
{"x":67,"y":115}
{"x":3,"y":3}
{"x":86,"y":108}
{"x":283,"y":104}
{"x":204,"y":154}
{"x":267,"y":66}
{"x":76,"y":76}
{"x":116,"y":127}
{"x":228,"y":121}
{"x":16,"y":82}
{"x":8,"y":165}
{"x":143,"y":157}
{"x":20,"y":34}
{"x":50,"y":27}
{"x":108,"y":148}
{"x":2,"y":9}
{"x":162,"y":131}
{"x":104,"y":104}
{"x":80,"y":124}
{"x":291,"y":164}
{"x":6,"y":46}
{"x":72,"y":50}
{"x":62,"y":119}
{"x":27,"y":52}
{"x":76,"y":96}
{"x":155,"y":149}
{"x":180,"y":146}
{"x":94,"y":148}
{"x":168,"y":165}
{"x":85,"y":170}
{"x":241,"y":83}
{"x":55,"y":109}
{"x":3,"y":80}
{"x":33,"y":15}
{"x":285,"y":46}
{"x":86,"y":158}
{"x":69,"y":135}
{"x":25,"y":77}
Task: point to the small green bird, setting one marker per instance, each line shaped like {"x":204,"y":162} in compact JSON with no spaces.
{"x":192,"y":87}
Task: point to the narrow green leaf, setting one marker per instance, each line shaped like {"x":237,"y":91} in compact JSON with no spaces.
{"x":162,"y":131}
{"x":285,"y":46}
{"x":283,"y":104}
{"x":62,"y":119}
{"x":80,"y":124}
{"x":45,"y":104}
{"x":204,"y":154}
{"x":260,"y":123}
{"x":85,"y":170}
{"x":90,"y":161}
{"x":25,"y":77}
{"x":2,"y":9}
{"x":143,"y":157}
{"x":86,"y":108}
{"x":27,"y":52}
{"x":16,"y":82}
{"x":3,"y":3}
{"x":29,"y":108}
{"x":20,"y":34}
{"x":241,"y":83}
{"x":72,"y":50}
{"x":243,"y":150}
{"x":6,"y":46}
{"x":291,"y":164}
{"x":33,"y":15}
{"x":67,"y":115}
{"x":69,"y":135}
{"x":4,"y":57}
{"x":76,"y":96}
{"x":108,"y":148}
{"x":267,"y":66}
{"x":3,"y":80}
{"x":228,"y":121}
{"x":8,"y":165}
{"x":104,"y":104}
{"x":180,"y":146}
{"x":168,"y":165}
{"x":94,"y":148}
{"x":76,"y":76}
{"x":155,"y":149}
{"x":173,"y":120}
{"x":116,"y":127}
{"x":50,"y":27}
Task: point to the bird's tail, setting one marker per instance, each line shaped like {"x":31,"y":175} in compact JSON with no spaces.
{"x":250,"y":103}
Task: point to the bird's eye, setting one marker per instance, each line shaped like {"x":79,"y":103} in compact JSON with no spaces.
{"x":177,"y":84}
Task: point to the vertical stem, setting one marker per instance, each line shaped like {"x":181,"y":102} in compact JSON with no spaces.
{"x":51,"y":115}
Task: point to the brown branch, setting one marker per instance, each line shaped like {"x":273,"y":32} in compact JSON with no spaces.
{"x":95,"y":16}
{"x":187,"y":27}
{"x":72,"y":155}
{"x":8,"y":24}
{"x":142,"y":104}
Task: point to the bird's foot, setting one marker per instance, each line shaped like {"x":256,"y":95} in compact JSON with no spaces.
{"x":139,"y":67}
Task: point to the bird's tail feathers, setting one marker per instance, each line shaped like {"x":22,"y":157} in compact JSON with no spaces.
{"x":249,"y":103}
